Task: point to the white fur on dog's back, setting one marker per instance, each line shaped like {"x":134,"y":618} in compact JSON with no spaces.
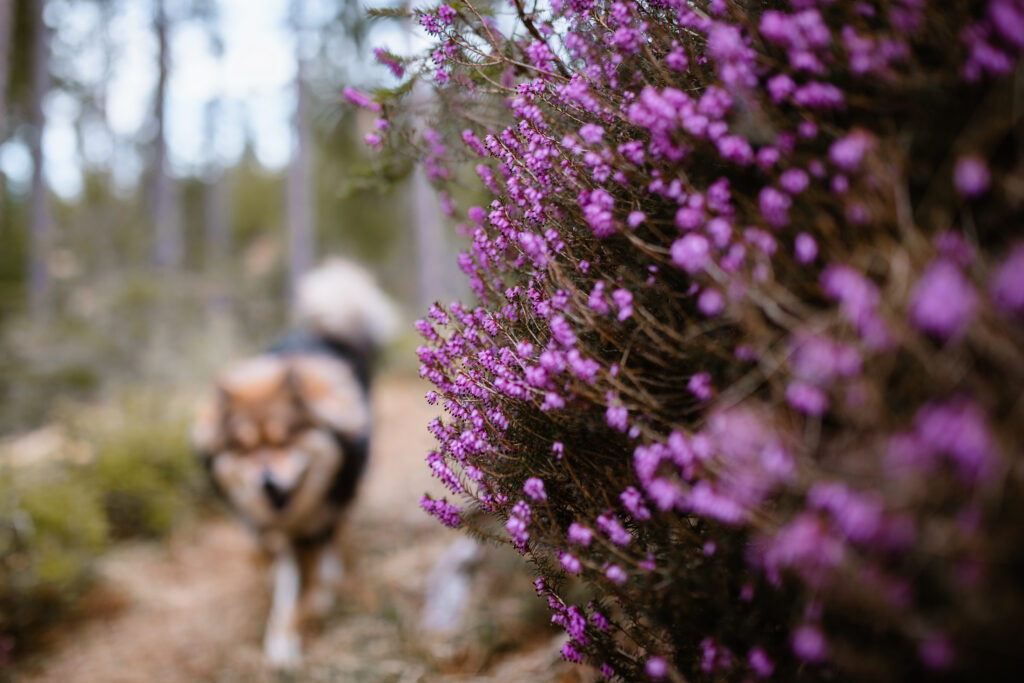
{"x":341,"y":300}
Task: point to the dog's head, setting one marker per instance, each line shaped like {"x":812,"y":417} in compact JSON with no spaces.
{"x":268,"y":434}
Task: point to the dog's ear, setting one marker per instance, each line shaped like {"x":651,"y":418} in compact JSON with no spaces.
{"x":331,"y":392}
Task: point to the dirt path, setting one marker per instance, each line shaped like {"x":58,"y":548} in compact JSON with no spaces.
{"x":194,"y":607}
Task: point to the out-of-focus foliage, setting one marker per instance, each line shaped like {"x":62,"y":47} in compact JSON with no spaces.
{"x":97,"y":474}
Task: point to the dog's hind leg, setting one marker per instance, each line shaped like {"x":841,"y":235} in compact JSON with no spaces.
{"x":282,"y":642}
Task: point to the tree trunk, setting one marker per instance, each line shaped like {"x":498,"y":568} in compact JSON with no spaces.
{"x":216,"y":217}
{"x":6,"y":18}
{"x":301,"y":221}
{"x":40,"y":285}
{"x":168,"y":241}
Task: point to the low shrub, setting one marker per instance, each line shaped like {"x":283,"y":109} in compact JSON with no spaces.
{"x":747,"y":349}
{"x":52,"y":528}
{"x":144,"y":470}
{"x":101,"y":473}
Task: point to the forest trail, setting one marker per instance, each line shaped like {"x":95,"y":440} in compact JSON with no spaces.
{"x":193,"y":608}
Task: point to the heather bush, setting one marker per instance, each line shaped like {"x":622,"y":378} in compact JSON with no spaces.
{"x":746,"y":359}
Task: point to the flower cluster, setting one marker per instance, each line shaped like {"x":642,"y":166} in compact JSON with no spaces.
{"x":746,"y":356}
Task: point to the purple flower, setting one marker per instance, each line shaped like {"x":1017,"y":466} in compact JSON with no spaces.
{"x":1007,"y":17}
{"x":615,"y":574}
{"x":656,"y":667}
{"x":633,"y":500}
{"x":936,"y":653}
{"x":958,"y":429}
{"x":971,"y":176}
{"x":847,"y":152}
{"x":617,"y":418}
{"x":562,"y":332}
{"x":597,"y":210}
{"x":858,"y":516}
{"x":690,"y":252}
{"x":623,"y":299}
{"x":446,"y":14}
{"x":372,"y":140}
{"x":665,"y":494}
{"x":596,"y":300}
{"x":859,"y":298}
{"x":711,"y":302}
{"x":591,"y":133}
{"x":780,"y":87}
{"x":385,"y":58}
{"x":534,"y":489}
{"x":610,"y":525}
{"x":943,"y":302}
{"x":552,"y":401}
{"x":676,"y":58}
{"x":635,"y":218}
{"x":704,"y":500}
{"x":580,"y":534}
{"x":806,"y":248}
{"x":360,"y":99}
{"x":806,"y":398}
{"x":809,"y":644}
{"x":444,"y":511}
{"x":774,"y":206}
{"x":570,"y":563}
{"x":760,"y":663}
{"x":700,"y":386}
{"x":794,"y":180}
{"x":570,"y":653}
{"x":816,"y":95}
{"x":518,"y":521}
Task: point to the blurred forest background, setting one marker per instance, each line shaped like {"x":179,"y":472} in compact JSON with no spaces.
{"x":168,"y":168}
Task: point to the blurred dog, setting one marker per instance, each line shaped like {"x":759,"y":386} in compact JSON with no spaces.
{"x":285,"y":440}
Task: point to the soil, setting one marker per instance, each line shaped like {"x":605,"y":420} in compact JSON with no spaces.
{"x":192,"y":608}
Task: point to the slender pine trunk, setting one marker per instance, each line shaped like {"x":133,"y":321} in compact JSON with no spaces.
{"x":301,"y":220}
{"x":40,"y":283}
{"x":168,"y":239}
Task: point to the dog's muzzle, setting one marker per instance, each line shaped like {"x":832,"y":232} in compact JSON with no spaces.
{"x":277,"y":496}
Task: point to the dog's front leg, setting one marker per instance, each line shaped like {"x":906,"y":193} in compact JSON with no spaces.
{"x":282,"y":643}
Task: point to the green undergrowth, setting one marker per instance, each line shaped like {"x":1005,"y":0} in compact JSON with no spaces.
{"x":100,"y":474}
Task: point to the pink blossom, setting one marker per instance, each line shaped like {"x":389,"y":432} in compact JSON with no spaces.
{"x":623,"y":299}
{"x":570,"y":562}
{"x":943,"y":302}
{"x":580,"y":534}
{"x":711,"y":302}
{"x":615,"y":574}
{"x":656,"y":667}
{"x":809,"y":644}
{"x":360,"y":99}
{"x":971,"y":176}
{"x":690,"y":252}
{"x":534,"y":489}
{"x":591,"y":133}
